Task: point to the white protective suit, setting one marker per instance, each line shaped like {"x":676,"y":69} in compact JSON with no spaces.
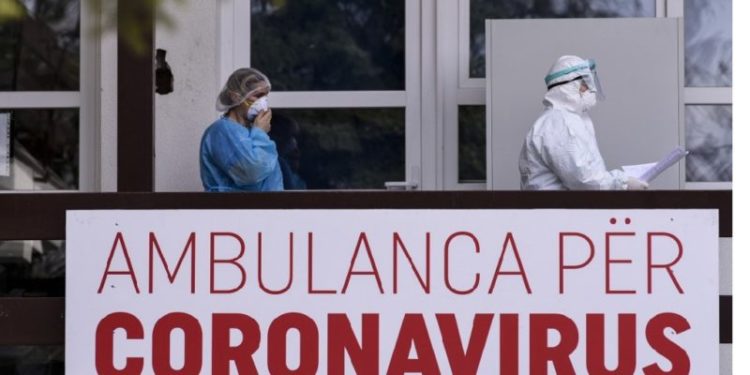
{"x":560,"y":151}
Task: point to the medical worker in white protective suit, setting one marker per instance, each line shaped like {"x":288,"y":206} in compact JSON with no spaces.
{"x":560,"y":151}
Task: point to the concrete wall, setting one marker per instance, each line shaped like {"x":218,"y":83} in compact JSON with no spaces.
{"x":182,"y":115}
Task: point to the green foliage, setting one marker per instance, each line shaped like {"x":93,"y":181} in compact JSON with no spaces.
{"x":134,"y":18}
{"x":40,"y":49}
{"x":10,"y":10}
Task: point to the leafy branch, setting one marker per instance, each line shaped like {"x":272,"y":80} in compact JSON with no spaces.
{"x":133,"y":16}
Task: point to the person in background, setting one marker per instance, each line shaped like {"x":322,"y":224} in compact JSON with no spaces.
{"x":236,"y":153}
{"x":560,"y":151}
{"x":285,"y":132}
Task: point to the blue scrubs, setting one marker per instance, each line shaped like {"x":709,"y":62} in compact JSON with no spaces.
{"x":235,"y":158}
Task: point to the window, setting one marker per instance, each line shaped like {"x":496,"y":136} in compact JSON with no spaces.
{"x":472,"y":155}
{"x":42,"y":149}
{"x":32,"y":268}
{"x":321,"y":47}
{"x":40,"y":51}
{"x":346,"y":80}
{"x":708,"y":133}
{"x":330,"y":45}
{"x":708,"y":43}
{"x":46,"y":125}
{"x":708,"y":92}
{"x":361,"y":148}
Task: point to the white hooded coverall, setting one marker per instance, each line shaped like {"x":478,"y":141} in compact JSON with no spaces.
{"x":560,"y":151}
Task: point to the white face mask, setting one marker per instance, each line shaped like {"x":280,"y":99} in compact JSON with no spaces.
{"x":588,"y":100}
{"x":259,"y":106}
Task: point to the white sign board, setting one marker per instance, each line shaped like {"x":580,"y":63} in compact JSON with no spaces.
{"x":392,"y":291}
{"x":5,"y":144}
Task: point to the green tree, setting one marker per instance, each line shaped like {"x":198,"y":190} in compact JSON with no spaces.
{"x":133,"y":16}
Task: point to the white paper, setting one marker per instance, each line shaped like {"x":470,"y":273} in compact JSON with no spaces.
{"x":636,"y":171}
{"x":669,"y":160}
{"x":648,"y":172}
{"x":4,"y":144}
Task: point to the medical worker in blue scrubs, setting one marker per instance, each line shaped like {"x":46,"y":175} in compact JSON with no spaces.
{"x":236,"y":152}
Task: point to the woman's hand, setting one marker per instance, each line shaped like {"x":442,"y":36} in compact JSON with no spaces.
{"x":263,"y":121}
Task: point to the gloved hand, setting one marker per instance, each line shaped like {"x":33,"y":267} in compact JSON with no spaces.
{"x":636,"y":184}
{"x":263,"y":121}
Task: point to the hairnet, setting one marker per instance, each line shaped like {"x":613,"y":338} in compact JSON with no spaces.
{"x":242,"y":84}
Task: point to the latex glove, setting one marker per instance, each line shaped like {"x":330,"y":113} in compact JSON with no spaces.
{"x":636,"y":184}
{"x":263,"y":121}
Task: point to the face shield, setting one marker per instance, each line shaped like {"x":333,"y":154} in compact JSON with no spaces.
{"x":592,"y":81}
{"x":585,"y":71}
{"x":241,"y":85}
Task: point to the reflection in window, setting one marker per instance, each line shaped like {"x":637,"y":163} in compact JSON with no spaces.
{"x":22,"y":360}
{"x":40,"y":51}
{"x":32,"y":269}
{"x":340,"y":148}
{"x":507,"y":9}
{"x":43,"y":149}
{"x":472,"y":140}
{"x":708,"y":43}
{"x":709,"y":140}
{"x":330,"y":45}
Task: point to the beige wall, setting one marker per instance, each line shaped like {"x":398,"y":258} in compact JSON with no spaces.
{"x":182,"y":115}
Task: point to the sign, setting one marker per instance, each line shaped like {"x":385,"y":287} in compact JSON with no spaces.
{"x":392,"y":291}
{"x":5,"y":144}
